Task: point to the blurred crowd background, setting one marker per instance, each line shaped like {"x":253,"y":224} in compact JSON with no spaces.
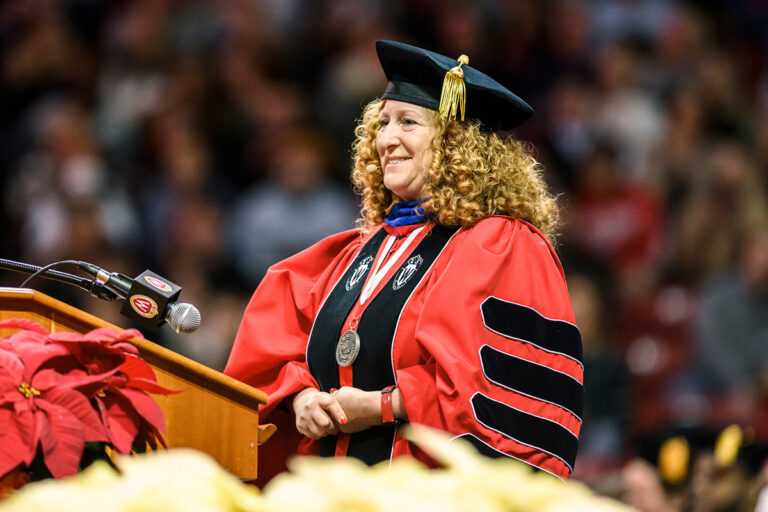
{"x":207,"y":139}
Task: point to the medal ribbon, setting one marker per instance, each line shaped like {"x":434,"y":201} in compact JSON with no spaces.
{"x":378,"y":275}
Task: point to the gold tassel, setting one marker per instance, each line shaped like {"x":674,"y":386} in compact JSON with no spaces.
{"x":454,"y":95}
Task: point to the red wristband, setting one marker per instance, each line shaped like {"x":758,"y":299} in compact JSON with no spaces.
{"x":387,"y":414}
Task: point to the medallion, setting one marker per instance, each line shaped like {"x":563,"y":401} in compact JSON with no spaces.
{"x":347,"y":348}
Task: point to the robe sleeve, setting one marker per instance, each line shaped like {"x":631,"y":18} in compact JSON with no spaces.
{"x":501,"y":362}
{"x":269,"y":351}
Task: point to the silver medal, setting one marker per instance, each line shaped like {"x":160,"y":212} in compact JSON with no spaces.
{"x":347,"y":348}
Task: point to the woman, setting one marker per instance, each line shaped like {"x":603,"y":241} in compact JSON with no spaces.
{"x":449,"y":308}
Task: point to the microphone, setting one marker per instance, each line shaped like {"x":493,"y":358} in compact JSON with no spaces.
{"x":150,"y":299}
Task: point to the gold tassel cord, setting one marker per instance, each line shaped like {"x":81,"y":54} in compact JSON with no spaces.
{"x":453,"y":97}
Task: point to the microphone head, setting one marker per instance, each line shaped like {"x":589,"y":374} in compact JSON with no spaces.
{"x":183,"y":317}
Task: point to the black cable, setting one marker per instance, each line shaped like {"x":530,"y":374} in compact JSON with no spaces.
{"x":47,"y":267}
{"x":95,"y":288}
{"x":26,"y":268}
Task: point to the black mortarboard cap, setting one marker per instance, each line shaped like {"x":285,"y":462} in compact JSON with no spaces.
{"x":416,"y":76}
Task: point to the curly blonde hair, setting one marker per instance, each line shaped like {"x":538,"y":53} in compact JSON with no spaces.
{"x":474,"y":174}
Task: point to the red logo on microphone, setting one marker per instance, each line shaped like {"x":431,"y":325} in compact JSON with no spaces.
{"x":160,"y":285}
{"x":143,"y":305}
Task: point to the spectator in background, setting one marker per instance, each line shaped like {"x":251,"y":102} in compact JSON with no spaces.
{"x":62,"y":181}
{"x":682,"y":38}
{"x":678,"y":161}
{"x":294,"y":208}
{"x":698,"y":469}
{"x":732,"y":334}
{"x":352,"y":78}
{"x":182,"y":199}
{"x":639,"y":20}
{"x":570,"y":137}
{"x":627,"y":115}
{"x":720,"y":83}
{"x":607,"y":399}
{"x":642,"y":488}
{"x":130,"y":78}
{"x":726,"y":195}
{"x":616,"y":221}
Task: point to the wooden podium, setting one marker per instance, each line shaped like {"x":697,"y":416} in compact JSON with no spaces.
{"x":215,"y":414}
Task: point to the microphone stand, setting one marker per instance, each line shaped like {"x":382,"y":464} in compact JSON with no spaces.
{"x":93,"y":287}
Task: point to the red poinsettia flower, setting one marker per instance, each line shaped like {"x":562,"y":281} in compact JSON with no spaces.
{"x":59,"y":391}
{"x":38,"y":404}
{"x":128,"y":413}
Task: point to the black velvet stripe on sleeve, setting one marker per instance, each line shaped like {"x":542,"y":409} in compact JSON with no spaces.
{"x":526,"y":324}
{"x":534,"y":380}
{"x":539,"y":433}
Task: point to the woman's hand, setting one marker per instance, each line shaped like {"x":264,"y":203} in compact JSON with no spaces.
{"x":318,"y":414}
{"x":363,"y":408}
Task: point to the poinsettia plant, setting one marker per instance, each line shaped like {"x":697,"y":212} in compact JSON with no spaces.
{"x":59,"y":391}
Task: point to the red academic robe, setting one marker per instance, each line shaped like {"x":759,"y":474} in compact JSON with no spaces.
{"x":484,"y":346}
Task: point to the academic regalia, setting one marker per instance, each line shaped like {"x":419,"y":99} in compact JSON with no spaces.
{"x":479,"y":338}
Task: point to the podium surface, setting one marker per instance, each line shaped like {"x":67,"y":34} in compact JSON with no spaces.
{"x":215,"y":414}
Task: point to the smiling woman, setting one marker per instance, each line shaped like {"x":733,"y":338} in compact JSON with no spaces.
{"x":447,"y":307}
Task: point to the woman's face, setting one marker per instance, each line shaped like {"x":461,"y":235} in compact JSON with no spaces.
{"x":404,"y":143}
